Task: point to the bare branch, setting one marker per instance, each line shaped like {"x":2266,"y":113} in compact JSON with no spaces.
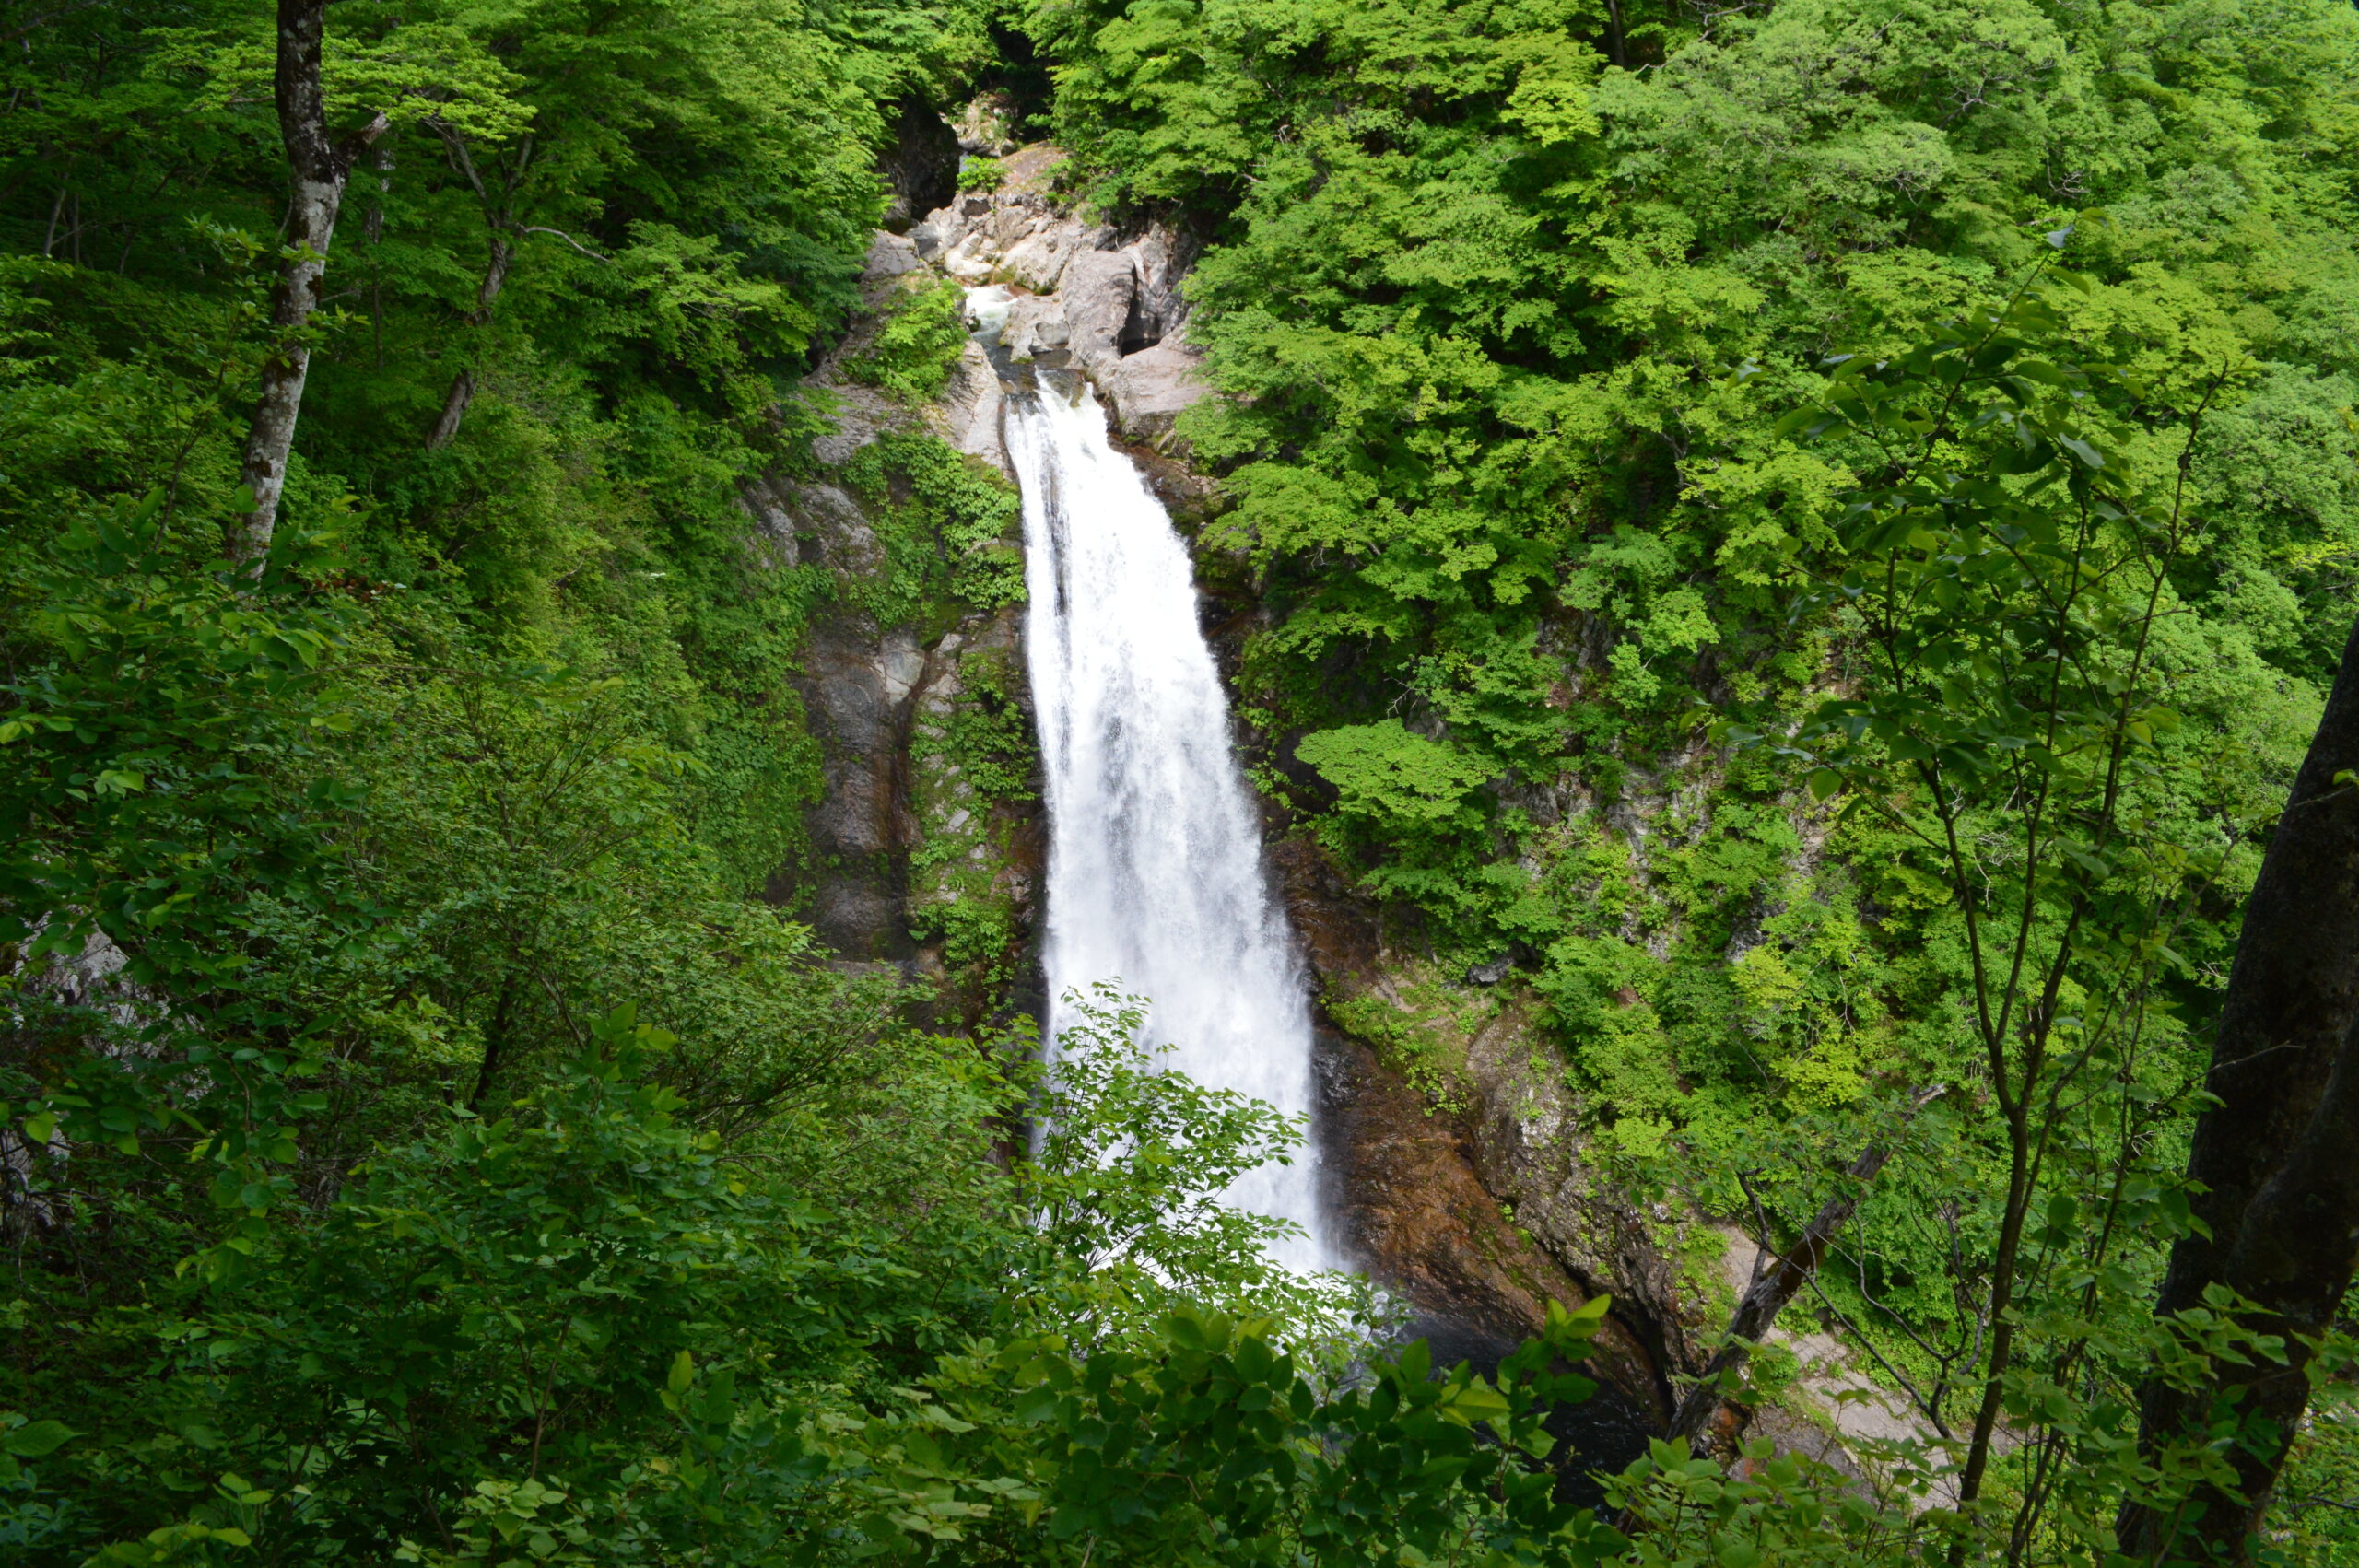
{"x":569,"y":240}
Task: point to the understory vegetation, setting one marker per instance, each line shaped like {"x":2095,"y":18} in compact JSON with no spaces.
{"x":1809,"y":542}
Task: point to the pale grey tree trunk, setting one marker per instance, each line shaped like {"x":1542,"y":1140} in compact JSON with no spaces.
{"x":320,"y":167}
{"x":462,"y":385}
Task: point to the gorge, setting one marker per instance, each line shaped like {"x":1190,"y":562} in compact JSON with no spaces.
{"x":1164,"y":871}
{"x":1711,"y":639}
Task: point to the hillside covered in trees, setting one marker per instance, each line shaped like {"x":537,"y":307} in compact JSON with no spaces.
{"x":1784,"y":569}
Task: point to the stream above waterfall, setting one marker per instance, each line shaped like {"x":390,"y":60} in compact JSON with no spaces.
{"x":1155,"y":875}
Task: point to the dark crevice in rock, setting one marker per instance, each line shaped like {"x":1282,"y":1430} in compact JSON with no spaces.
{"x":920,"y":165}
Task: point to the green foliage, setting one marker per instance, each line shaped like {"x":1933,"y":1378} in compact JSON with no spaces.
{"x":318,"y":885}
{"x":1789,"y":1509}
{"x":674,"y":202}
{"x":484,"y":1268}
{"x":1480,"y":295}
{"x":1126,"y":1182}
{"x":1781,"y":1508}
{"x":1512,"y":305}
{"x":946,"y":521}
{"x":1409,"y":1044}
{"x":918,"y":347}
{"x":351,"y":1220}
{"x":979,"y":936}
{"x":589,"y":1329}
{"x":413,"y":74}
{"x":641,"y":1248}
{"x":1211,"y":1446}
{"x":138,"y":804}
{"x":1396,"y":779}
{"x":1397,"y":787}
{"x":530,"y":837}
{"x":2317,"y":1480}
{"x":988,"y":737}
{"x":156,"y":746}
{"x":1510,"y":329}
{"x":430,"y":1363}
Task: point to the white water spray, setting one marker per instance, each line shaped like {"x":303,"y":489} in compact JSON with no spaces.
{"x":1154,"y":851}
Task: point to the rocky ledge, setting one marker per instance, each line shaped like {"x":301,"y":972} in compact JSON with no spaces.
{"x":1100,"y":299}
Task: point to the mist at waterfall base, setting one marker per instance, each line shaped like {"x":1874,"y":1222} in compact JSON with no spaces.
{"x":1154,"y":877}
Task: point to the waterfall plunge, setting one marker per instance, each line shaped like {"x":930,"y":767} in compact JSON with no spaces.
{"x":1155,"y":850}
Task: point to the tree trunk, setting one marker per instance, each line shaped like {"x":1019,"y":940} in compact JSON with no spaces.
{"x":319,"y":167}
{"x":1778,"y":1284}
{"x":1767,"y":1297}
{"x":1615,"y":47}
{"x":2279,"y":1199}
{"x":462,"y":385}
{"x":494,"y":1044}
{"x":372,"y":227}
{"x":454,"y":408}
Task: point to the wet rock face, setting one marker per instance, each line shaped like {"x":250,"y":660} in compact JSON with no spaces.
{"x":978,"y":861}
{"x":967,"y":413}
{"x":1480,"y":1203}
{"x":854,"y":685}
{"x":1526,"y":1145}
{"x":1423,"y":1226}
{"x":1406,"y":1175}
{"x":890,"y":256}
{"x":1406,"y":1186}
{"x":911,"y":864}
{"x":852,"y":693}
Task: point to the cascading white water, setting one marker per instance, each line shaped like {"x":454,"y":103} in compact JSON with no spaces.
{"x":1154,"y":852}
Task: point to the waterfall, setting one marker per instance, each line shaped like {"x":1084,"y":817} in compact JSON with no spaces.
{"x":1155,"y":875}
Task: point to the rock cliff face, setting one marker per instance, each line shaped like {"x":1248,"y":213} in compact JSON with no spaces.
{"x":899,"y":833}
{"x":1462,"y":1174}
{"x":912,"y":864}
{"x":921,"y":164}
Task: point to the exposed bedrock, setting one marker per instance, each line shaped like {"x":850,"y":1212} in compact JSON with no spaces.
{"x":920,"y":165}
{"x":1100,"y":299}
{"x":1411,"y":1197}
{"x":1471,"y":1190}
{"x":1407,"y":1185}
{"x":900,"y":835}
